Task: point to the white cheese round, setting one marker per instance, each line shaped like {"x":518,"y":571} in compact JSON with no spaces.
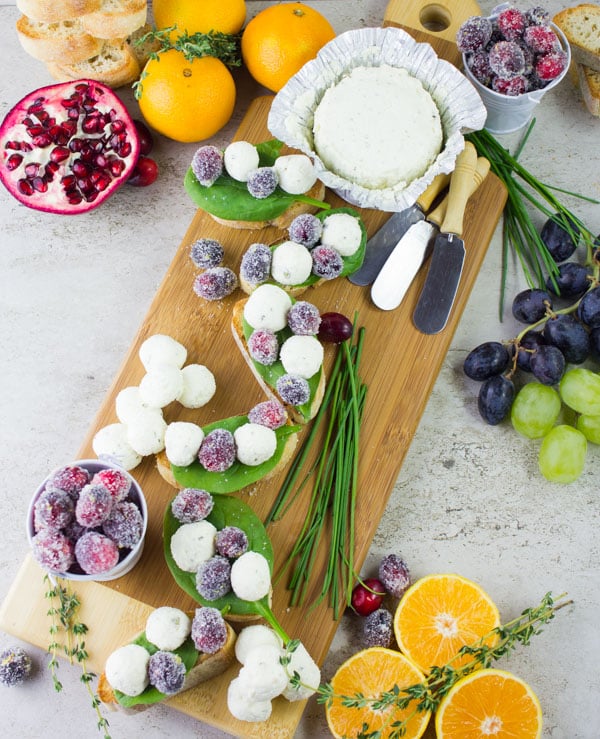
{"x":241,"y":705}
{"x":127,"y":669}
{"x":263,"y":674}
{"x":192,"y":544}
{"x":161,"y":385}
{"x":199,"y":386}
{"x":250,"y":576}
{"x":240,"y":158}
{"x":167,"y":628}
{"x":129,"y":404}
{"x":301,"y":355}
{"x":296,"y":173}
{"x":310,"y":675}
{"x":146,"y":433}
{"x":291,"y":264}
{"x":110,"y":444}
{"x":267,"y":307}
{"x":254,"y":444}
{"x":253,"y":637}
{"x":378,"y":127}
{"x":162,"y":349}
{"x":182,"y":442}
{"x":342,"y":232}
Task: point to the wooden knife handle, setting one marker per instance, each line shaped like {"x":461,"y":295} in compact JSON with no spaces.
{"x":440,"y":182}
{"x":460,"y":189}
{"x":481,"y":170}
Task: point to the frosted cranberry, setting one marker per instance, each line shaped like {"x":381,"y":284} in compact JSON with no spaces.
{"x":479,"y":66}
{"x":550,"y":66}
{"x":541,"y":39}
{"x":96,"y":553}
{"x":217,"y":451}
{"x":191,"y":505}
{"x":537,"y":16}
{"x":304,"y":318}
{"x":305,"y":229}
{"x":335,"y":328}
{"x":71,"y":479}
{"x":124,"y":524}
{"x":394,"y":575}
{"x":473,"y":34}
{"x":327,"y":262}
{"x":93,"y":505}
{"x":52,"y":550}
{"x":262,"y":182}
{"x":207,"y":165}
{"x":511,"y":23}
{"x":514,"y":86}
{"x":213,"y":578}
{"x":215,"y":283}
{"x":377,"y":629}
{"x":269,"y":413}
{"x":231,"y":542}
{"x":263,"y":346}
{"x":507,"y":59}
{"x":166,"y":672}
{"x":255,"y":266}
{"x":367,"y":596}
{"x":209,"y":630}
{"x":293,"y":389}
{"x":54,"y":509}
{"x":206,"y":253}
{"x":116,"y":482}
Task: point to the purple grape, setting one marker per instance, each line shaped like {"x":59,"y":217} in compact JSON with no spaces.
{"x":560,"y":234}
{"x":486,"y":360}
{"x":568,"y":334}
{"x":572,"y":280}
{"x":548,"y":364}
{"x":588,"y":309}
{"x":335,"y":328}
{"x":495,"y":399}
{"x":527,"y":345}
{"x":530,"y":305}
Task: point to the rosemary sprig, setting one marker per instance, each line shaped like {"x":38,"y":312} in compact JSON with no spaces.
{"x":426,"y":696}
{"x":63,"y":614}
{"x":524,"y":191}
{"x":334,"y":477}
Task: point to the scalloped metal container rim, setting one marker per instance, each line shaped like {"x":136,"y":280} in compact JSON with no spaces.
{"x":127,"y":563}
{"x":461,"y":110}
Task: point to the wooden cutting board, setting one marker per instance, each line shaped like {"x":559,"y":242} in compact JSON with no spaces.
{"x":400,"y":366}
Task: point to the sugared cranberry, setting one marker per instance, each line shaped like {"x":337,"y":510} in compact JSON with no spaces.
{"x":269,"y":413}
{"x":96,"y":553}
{"x":217,"y":451}
{"x":209,"y":630}
{"x":191,"y":505}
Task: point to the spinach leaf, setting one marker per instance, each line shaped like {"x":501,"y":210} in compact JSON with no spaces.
{"x":239,"y":475}
{"x":227,"y":511}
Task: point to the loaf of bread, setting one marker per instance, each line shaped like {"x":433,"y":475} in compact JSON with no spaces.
{"x":581,"y":26}
{"x":115,"y":65}
{"x":57,"y":40}
{"x":51,"y":11}
{"x":115,"y":18}
{"x":589,"y":84}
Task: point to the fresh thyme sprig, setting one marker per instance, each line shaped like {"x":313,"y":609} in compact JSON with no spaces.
{"x":63,"y":615}
{"x":426,"y":696}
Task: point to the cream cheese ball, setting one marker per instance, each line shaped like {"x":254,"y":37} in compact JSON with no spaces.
{"x":342,"y":232}
{"x":296,"y":173}
{"x":263,"y":674}
{"x":310,"y":675}
{"x":129,"y":404}
{"x":240,"y":158}
{"x":192,"y":544}
{"x":253,"y":637}
{"x":162,"y":349}
{"x":267,"y":308}
{"x":291,"y":263}
{"x":110,"y":443}
{"x":242,"y":706}
{"x":254,"y":443}
{"x":167,"y":628}
{"x":378,"y":127}
{"x":127,"y":669}
{"x":161,"y":385}
{"x":301,"y":355}
{"x":199,"y":386}
{"x":182,"y":442}
{"x":250,"y":576}
{"x":146,"y":433}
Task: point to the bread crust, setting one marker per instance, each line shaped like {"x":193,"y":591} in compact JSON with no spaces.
{"x":51,"y":11}
{"x":115,"y":65}
{"x":61,"y":41}
{"x":580,"y":25}
{"x":589,"y":83}
{"x":115,"y":18}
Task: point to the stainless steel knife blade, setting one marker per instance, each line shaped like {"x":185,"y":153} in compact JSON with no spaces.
{"x":447,"y":258}
{"x":381,"y":244}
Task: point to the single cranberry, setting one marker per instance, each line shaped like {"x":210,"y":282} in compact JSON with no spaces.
{"x":145,"y":137}
{"x":334,"y":328}
{"x":144,"y":173}
{"x":367,"y":596}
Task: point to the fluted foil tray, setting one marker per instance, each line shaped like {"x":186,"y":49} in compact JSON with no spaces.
{"x":292,"y":114}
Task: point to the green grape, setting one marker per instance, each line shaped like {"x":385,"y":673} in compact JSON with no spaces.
{"x":562,"y":454}
{"x":535,"y":410}
{"x":580,"y":390}
{"x":590,"y":427}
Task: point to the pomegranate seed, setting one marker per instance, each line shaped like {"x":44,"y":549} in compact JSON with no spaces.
{"x":52,"y":168}
{"x":44,"y":118}
{"x":25,"y":187}
{"x":145,"y":172}
{"x":13,"y":162}
{"x":124,"y":150}
{"x":59,"y":154}
{"x":39,"y":184}
{"x":13,"y":145}
{"x":70,"y":127}
{"x":36,"y":106}
{"x":73,"y":113}
{"x":28,"y":122}
{"x":32,"y":169}
{"x":116,"y":166}
{"x":68,"y":181}
{"x":80,"y":169}
{"x":25,"y":146}
{"x":100,"y":161}
{"x":74,"y":198}
{"x":101,"y":181}
{"x":117,"y":126}
{"x":75,"y":144}
{"x":35,"y":130}
{"x":90,"y":196}
{"x":82,"y":87}
{"x":42,"y":141}
{"x":59,"y":135}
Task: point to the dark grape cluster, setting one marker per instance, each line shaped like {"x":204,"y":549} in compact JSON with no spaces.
{"x":562,"y":329}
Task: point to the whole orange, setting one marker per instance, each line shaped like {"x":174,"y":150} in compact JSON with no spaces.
{"x":280,"y":39}
{"x":200,"y":16}
{"x":186,"y":100}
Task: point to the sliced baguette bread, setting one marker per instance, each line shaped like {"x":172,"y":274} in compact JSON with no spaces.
{"x":237,"y":328}
{"x":115,"y":65}
{"x":589,"y":84}
{"x":581,"y":26}
{"x":115,"y":18}
{"x":51,"y":11}
{"x":206,"y":667}
{"x":60,"y":41}
{"x":140,"y":47}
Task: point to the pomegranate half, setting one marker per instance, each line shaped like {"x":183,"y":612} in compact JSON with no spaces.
{"x":67,"y":147}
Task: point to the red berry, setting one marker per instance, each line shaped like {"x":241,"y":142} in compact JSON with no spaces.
{"x":367,"y":596}
{"x":145,"y":137}
{"x":144,"y":173}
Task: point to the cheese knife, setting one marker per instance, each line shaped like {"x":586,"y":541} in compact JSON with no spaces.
{"x":401,"y":267}
{"x":381,"y":244}
{"x":448,"y":255}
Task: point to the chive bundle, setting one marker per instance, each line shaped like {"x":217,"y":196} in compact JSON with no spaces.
{"x":334,"y":477}
{"x":519,"y":231}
